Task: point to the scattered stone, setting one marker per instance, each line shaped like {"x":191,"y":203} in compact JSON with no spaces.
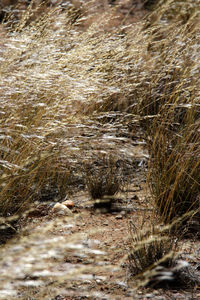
{"x":156,"y":293}
{"x":115,"y":213}
{"x":177,"y":296}
{"x":98,"y":281}
{"x":61,"y":209}
{"x":119,"y":216}
{"x":150,"y":296}
{"x":68,"y":203}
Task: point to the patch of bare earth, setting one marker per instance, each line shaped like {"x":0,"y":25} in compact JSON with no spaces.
{"x":107,"y":234}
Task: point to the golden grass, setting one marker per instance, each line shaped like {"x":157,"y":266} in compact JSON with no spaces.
{"x":152,"y":251}
{"x":68,"y":95}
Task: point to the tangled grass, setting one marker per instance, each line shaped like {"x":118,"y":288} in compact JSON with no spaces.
{"x":58,"y":79}
{"x":69,"y":94}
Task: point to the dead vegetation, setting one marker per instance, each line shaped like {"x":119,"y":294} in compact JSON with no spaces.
{"x":80,"y":88}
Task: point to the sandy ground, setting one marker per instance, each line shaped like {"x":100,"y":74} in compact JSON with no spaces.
{"x":108,"y":233}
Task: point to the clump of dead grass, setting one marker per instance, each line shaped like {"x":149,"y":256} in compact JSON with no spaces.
{"x":150,"y":247}
{"x":103,"y":177}
{"x":155,"y":258}
{"x":171,"y":111}
{"x":175,"y":169}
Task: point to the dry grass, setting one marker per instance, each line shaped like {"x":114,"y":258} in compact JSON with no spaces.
{"x":68,"y":94}
{"x":174,"y":169}
{"x":103,"y":177}
{"x":56,"y":78}
{"x":174,"y":132}
{"x":153,"y":253}
{"x":156,"y":256}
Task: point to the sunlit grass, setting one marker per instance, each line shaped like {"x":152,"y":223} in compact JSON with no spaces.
{"x":71,"y":94}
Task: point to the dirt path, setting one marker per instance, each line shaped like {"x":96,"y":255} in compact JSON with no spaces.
{"x":106,"y":237}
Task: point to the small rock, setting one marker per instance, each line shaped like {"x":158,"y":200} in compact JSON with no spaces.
{"x":150,"y":296}
{"x":68,"y":203}
{"x":156,"y":293}
{"x":119,"y":217}
{"x":98,"y":281}
{"x":61,"y":209}
{"x":178,"y":296}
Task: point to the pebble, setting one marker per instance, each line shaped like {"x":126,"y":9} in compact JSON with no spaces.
{"x":177,"y":296}
{"x":149,"y":296}
{"x":156,"y":292}
{"x":61,"y":209}
{"x":68,"y":203}
{"x":119,"y":217}
{"x":98,"y":281}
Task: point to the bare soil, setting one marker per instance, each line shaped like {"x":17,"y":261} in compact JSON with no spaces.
{"x":107,"y":233}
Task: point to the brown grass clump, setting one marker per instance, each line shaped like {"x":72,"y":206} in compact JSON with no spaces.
{"x":150,"y":252}
{"x":103,"y":178}
{"x":155,"y":258}
{"x":175,"y":169}
{"x":171,"y":111}
{"x":175,"y":161}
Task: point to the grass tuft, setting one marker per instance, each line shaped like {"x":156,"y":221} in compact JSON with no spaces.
{"x":155,"y":259}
